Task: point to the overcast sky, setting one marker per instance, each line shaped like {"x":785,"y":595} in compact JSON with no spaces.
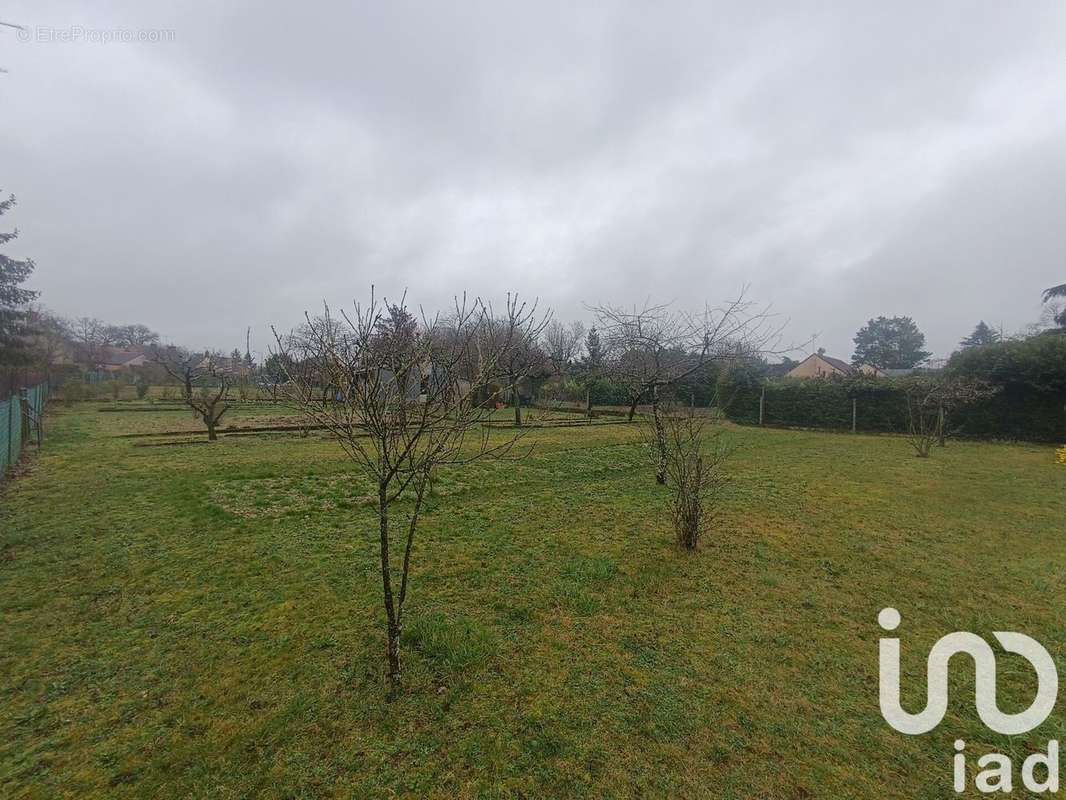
{"x":845,"y":159}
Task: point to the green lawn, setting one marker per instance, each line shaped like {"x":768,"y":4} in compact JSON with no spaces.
{"x":204,"y":621}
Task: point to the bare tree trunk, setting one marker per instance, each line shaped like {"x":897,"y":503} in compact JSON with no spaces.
{"x":633,"y":407}
{"x":393,"y":628}
{"x":660,"y":438}
{"x":588,"y":403}
{"x":209,"y":421}
{"x":393,"y":652}
{"x":941,"y":423}
{"x":517,"y":405}
{"x":420,"y":491}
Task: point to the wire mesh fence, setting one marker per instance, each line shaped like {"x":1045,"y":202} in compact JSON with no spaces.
{"x":20,"y":423}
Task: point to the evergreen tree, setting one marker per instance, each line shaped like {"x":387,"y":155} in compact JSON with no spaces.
{"x":982,"y":334}
{"x":593,"y":350}
{"x":13,"y":299}
{"x":890,"y":343}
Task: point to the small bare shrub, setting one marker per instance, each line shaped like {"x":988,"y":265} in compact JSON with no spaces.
{"x":695,"y":461}
{"x":929,"y":401}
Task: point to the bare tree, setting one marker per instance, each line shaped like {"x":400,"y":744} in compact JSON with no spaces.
{"x":204,"y":385}
{"x":130,"y":335}
{"x":930,"y":399}
{"x":405,"y":399}
{"x":525,"y":360}
{"x":651,"y":348}
{"x":563,"y":343}
{"x":91,"y":336}
{"x":50,"y":337}
{"x":521,"y":367}
{"x":695,"y":463}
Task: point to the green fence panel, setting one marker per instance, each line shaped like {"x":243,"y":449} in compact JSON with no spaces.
{"x":11,"y":423}
{"x":5,"y":436}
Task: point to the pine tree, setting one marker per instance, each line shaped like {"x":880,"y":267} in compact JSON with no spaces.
{"x":890,"y":343}
{"x":593,"y":350}
{"x":13,"y":299}
{"x":982,"y":334}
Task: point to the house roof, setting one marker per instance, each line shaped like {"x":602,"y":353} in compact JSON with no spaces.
{"x":843,"y":366}
{"x":117,"y":356}
{"x":835,"y":363}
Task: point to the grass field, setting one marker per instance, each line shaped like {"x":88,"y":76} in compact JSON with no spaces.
{"x":204,"y":621}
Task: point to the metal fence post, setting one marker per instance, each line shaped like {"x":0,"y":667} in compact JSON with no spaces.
{"x":10,"y":438}
{"x":24,"y":418}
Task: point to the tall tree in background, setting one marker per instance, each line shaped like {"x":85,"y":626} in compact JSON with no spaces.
{"x":91,"y":335}
{"x":591,"y":366}
{"x":130,"y":335}
{"x":982,"y":334}
{"x":51,"y":338}
{"x":593,"y":350}
{"x":1051,"y":294}
{"x":563,"y":344}
{"x":890,"y":343}
{"x":13,"y":346}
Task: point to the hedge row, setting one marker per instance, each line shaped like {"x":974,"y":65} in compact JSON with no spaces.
{"x":1016,"y":413}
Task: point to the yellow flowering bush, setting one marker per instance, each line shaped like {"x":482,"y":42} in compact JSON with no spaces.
{"x":1060,"y":455}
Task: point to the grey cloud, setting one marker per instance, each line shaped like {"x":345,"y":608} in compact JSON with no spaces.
{"x":845,"y":161}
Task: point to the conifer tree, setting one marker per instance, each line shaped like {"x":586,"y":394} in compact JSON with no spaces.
{"x":14,"y":349}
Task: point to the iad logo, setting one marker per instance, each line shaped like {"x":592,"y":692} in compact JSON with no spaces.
{"x":985,"y":662}
{"x":997,"y":775}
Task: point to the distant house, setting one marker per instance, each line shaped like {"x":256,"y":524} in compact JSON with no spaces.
{"x":116,"y":359}
{"x":819,"y":365}
{"x":222,"y":365}
{"x":930,"y":366}
{"x":231,"y":367}
{"x":780,"y":370}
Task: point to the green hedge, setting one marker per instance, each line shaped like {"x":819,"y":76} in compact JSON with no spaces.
{"x":821,"y":404}
{"x":1016,"y":413}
